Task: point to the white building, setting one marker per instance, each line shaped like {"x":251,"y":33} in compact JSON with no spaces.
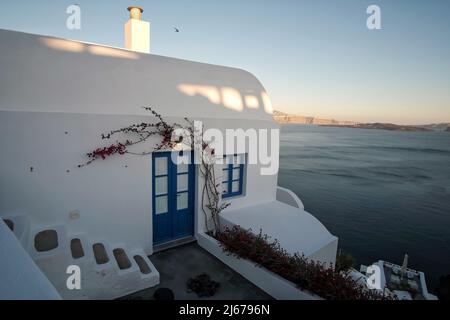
{"x":57,"y":97}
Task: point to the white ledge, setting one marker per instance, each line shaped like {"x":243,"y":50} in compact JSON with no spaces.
{"x":269,"y":282}
{"x":288,"y":197}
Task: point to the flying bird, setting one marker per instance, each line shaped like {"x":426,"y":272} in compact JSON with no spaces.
{"x":176,"y":29}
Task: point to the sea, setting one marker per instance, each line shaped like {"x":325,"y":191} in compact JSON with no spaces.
{"x":383,"y":193}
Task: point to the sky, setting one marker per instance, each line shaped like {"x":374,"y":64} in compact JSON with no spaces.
{"x":314,"y":57}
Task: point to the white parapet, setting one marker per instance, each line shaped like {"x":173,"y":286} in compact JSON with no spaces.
{"x":20,"y":278}
{"x":287,"y":196}
{"x":296,"y":230}
{"x":271,"y":283}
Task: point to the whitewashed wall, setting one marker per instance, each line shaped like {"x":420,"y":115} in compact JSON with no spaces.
{"x":47,"y":74}
{"x":57,"y":97}
{"x":112,"y":196}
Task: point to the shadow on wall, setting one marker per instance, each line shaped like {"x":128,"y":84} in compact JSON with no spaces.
{"x":235,"y":94}
{"x":229,"y":97}
{"x":77,"y":47}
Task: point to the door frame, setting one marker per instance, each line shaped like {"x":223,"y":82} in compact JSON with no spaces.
{"x":171,"y":191}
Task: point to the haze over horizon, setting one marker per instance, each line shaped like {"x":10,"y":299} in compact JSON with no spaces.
{"x":315,"y":57}
{"x":343,"y":120}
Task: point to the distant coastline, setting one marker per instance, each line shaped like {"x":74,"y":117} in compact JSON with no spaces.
{"x":381,"y":126}
{"x":284,"y":118}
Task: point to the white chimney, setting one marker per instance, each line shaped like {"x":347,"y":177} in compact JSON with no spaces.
{"x":137,"y":32}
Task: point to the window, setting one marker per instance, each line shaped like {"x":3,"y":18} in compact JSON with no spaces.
{"x":233,"y":175}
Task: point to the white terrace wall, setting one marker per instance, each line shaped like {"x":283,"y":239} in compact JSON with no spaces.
{"x":58,"y":96}
{"x":21,"y":278}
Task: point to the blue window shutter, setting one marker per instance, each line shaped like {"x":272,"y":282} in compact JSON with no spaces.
{"x":228,"y":178}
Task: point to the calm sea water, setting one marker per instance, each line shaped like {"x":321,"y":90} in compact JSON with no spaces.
{"x":382,"y":193}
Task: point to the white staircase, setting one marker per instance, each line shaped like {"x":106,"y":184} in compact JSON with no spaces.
{"x":107,"y":271}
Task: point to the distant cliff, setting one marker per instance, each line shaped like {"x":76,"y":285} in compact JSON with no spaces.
{"x":443,"y":126}
{"x":383,"y":126}
{"x":285,"y":118}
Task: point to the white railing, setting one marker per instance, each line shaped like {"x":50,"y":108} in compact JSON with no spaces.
{"x":288,"y":197}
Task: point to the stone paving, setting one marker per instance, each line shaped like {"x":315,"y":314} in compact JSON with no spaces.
{"x":177,"y":265}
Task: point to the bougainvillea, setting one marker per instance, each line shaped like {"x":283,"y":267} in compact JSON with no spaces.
{"x":306,"y":274}
{"x":139,"y":133}
{"x":119,"y":148}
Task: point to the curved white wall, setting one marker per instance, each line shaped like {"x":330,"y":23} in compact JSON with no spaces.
{"x":47,"y":74}
{"x":56,"y":99}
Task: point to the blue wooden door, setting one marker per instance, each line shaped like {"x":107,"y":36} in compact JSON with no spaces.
{"x":173,"y":196}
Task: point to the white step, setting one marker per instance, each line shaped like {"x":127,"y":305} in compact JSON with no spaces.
{"x":153,"y":275}
{"x":133,"y":268}
{"x":88,"y":256}
{"x":62,"y":242}
{"x":50,"y":247}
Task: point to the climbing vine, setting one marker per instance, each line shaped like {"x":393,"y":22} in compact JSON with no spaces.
{"x":139,"y":133}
